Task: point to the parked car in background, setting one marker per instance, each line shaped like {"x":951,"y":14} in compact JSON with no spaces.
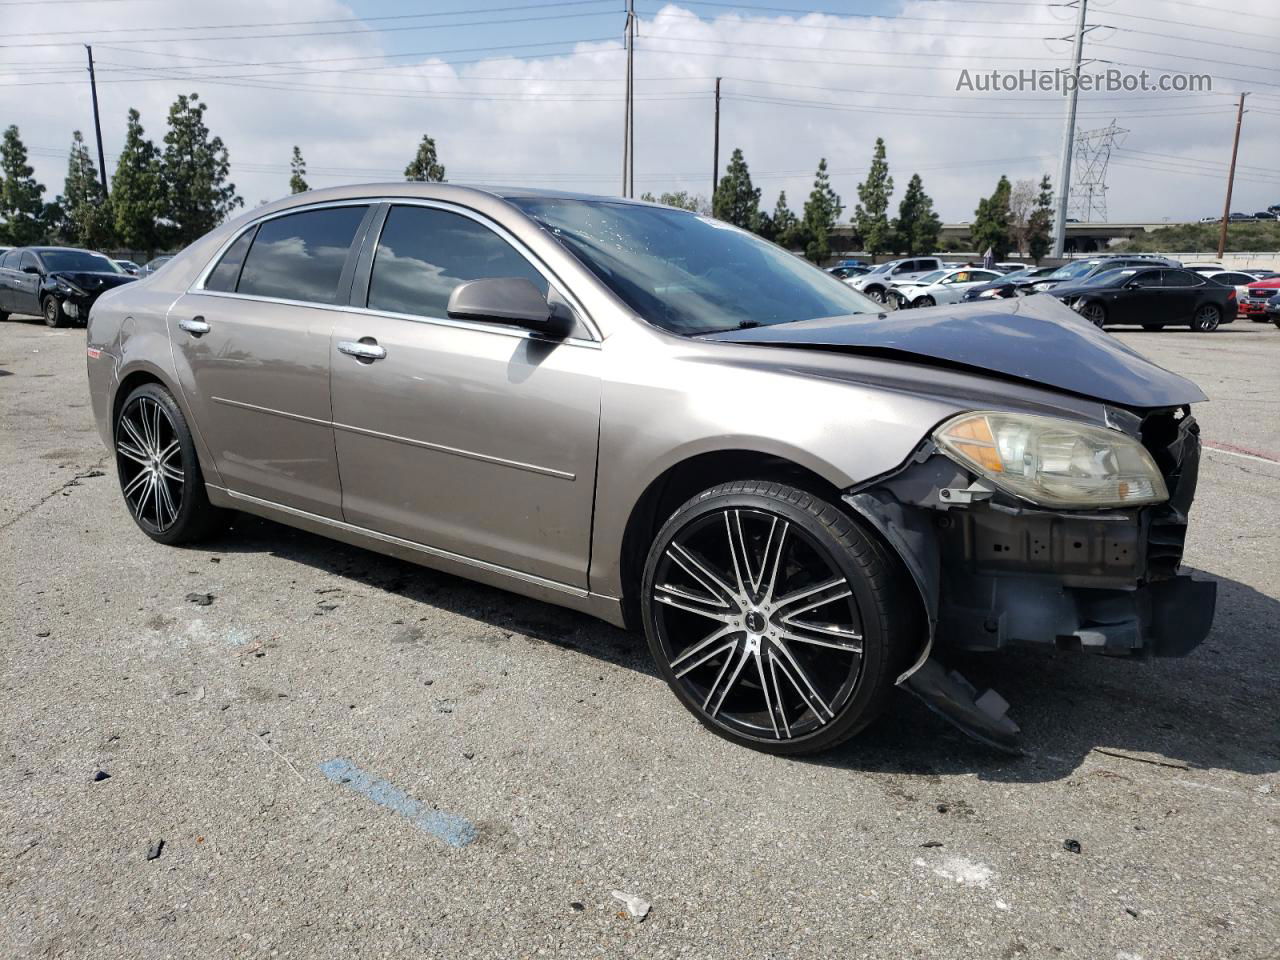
{"x":1272,"y":310}
{"x":669,"y":423}
{"x":1009,"y":266}
{"x":848,"y":271}
{"x":1240,"y":218}
{"x":1233,"y":278}
{"x":59,"y":284}
{"x":941,"y":286}
{"x":154,"y":265}
{"x":1253,"y":304}
{"x":1151,"y":299}
{"x":875,"y":284}
{"x":1020,"y":283}
{"x":128,"y":266}
{"x":1079,"y":270}
{"x":1266,"y":215}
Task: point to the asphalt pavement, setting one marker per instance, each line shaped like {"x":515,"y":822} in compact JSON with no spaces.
{"x":341,"y":754}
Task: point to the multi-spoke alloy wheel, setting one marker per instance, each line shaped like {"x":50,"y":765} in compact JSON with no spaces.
{"x":1206,"y":319}
{"x":762,"y":611}
{"x":159,"y":476}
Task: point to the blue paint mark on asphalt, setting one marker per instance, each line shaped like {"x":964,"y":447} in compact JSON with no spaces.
{"x":453,"y":830}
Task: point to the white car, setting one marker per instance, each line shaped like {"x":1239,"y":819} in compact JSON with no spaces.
{"x":876,"y":284}
{"x":941,"y":286}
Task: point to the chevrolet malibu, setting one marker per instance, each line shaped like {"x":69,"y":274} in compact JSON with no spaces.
{"x":666,"y":422}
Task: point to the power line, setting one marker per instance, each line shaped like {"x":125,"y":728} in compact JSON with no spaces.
{"x":1216,"y":10}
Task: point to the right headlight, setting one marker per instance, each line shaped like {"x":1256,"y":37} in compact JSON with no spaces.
{"x":1051,"y":462}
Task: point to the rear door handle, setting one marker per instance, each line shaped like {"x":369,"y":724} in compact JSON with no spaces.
{"x":362,"y":349}
{"x":195,"y":326}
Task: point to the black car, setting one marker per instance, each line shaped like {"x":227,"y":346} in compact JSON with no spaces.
{"x":57,"y":283}
{"x":1078,"y":271}
{"x":1272,"y":310}
{"x":1151,"y":298}
{"x":1019,"y":283}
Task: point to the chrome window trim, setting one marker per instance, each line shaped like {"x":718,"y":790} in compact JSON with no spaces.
{"x":198,"y":285}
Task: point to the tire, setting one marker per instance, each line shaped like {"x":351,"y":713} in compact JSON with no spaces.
{"x":1206,"y":319}
{"x":894,"y":301}
{"x":54,"y":315}
{"x":876,"y":293}
{"x":159,"y":473}
{"x":4,"y":315}
{"x":1095,"y":313}
{"x":925,"y":301}
{"x":826,"y":681}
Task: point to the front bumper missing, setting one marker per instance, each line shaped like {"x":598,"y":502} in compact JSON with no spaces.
{"x":996,"y":572}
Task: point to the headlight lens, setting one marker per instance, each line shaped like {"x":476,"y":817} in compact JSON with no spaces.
{"x":1054,"y":463}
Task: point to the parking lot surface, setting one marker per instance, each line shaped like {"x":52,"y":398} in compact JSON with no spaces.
{"x":346,"y":755}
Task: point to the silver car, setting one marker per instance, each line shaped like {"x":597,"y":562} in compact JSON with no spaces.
{"x":671,"y":424}
{"x":941,"y":286}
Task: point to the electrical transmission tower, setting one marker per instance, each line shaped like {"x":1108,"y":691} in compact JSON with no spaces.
{"x":1089,"y":180}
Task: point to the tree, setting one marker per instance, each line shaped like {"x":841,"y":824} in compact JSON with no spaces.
{"x":195,"y":168}
{"x":136,"y":190}
{"x":821,"y":212}
{"x":680,"y":199}
{"x":991,"y":222}
{"x":22,"y":211}
{"x":425,"y":166}
{"x":86,"y":217}
{"x":298,"y":173}
{"x":736,"y":199}
{"x":782,"y":224}
{"x":1022,"y":199}
{"x":917,"y":227}
{"x":1040,"y":223}
{"x":871,"y":215}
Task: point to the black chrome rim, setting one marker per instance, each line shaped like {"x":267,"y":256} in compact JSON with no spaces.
{"x":1094,"y":314}
{"x":1208,"y":318}
{"x":51,"y":311}
{"x":149,"y":459}
{"x":757,"y":624}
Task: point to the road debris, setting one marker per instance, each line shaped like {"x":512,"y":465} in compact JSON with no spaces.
{"x":638,"y":907}
{"x":200,"y":599}
{"x":153,"y":851}
{"x":1173,"y":764}
{"x":578,"y":906}
{"x":100,"y":775}
{"x":967,"y":873}
{"x":1072,"y":846}
{"x":932,"y":843}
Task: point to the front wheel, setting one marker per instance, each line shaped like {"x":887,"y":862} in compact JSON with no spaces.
{"x":54,"y":315}
{"x":876,"y":294}
{"x":159,"y":474}
{"x":925,"y":301}
{"x":1095,"y":313}
{"x":1206,"y":319}
{"x":775,"y":619}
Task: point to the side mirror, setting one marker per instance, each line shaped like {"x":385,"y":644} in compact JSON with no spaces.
{"x":510,"y":300}
{"x":1132,"y":285}
{"x":31,"y":268}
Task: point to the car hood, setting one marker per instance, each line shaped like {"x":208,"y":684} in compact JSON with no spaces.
{"x":89,"y":281}
{"x":1031,"y":339}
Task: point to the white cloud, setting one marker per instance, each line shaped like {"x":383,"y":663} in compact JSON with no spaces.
{"x":557,"y":121}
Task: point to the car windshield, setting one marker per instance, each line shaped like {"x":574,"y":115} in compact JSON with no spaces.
{"x":1107,"y":277}
{"x":929,"y":278}
{"x":59,"y":261}
{"x":690,"y":274}
{"x":1076,"y":269}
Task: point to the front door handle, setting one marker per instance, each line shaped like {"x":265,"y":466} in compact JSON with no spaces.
{"x":195,"y":326}
{"x":366,"y":350}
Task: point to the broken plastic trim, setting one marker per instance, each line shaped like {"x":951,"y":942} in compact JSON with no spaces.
{"x":949,"y":695}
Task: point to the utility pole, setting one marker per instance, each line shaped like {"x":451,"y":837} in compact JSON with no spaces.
{"x":97,"y":125}
{"x":631,"y":98}
{"x":626,"y":108}
{"x":715,"y":150}
{"x":1069,"y":135}
{"x":1231,"y":179}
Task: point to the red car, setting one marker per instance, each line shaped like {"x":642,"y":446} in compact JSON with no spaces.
{"x":1260,"y":291}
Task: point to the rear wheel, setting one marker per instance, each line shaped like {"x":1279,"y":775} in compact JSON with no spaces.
{"x":925,"y":301}
{"x":54,"y":315}
{"x":1206,"y":319}
{"x":159,"y":474}
{"x":876,"y":293}
{"x":776,"y":620}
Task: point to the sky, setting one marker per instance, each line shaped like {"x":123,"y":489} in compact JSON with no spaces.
{"x":531,"y":93}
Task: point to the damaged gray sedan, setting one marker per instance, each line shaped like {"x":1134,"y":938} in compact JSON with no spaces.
{"x":668,"y":423}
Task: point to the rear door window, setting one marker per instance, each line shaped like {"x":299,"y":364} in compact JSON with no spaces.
{"x":226,"y":275}
{"x":9,"y":261}
{"x":301,"y":256}
{"x":424,"y":253}
{"x":1181,"y":278}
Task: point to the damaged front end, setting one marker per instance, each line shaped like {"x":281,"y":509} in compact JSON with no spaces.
{"x":995,"y":568}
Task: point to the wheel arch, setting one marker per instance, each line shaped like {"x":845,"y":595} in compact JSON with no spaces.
{"x":141,"y":372}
